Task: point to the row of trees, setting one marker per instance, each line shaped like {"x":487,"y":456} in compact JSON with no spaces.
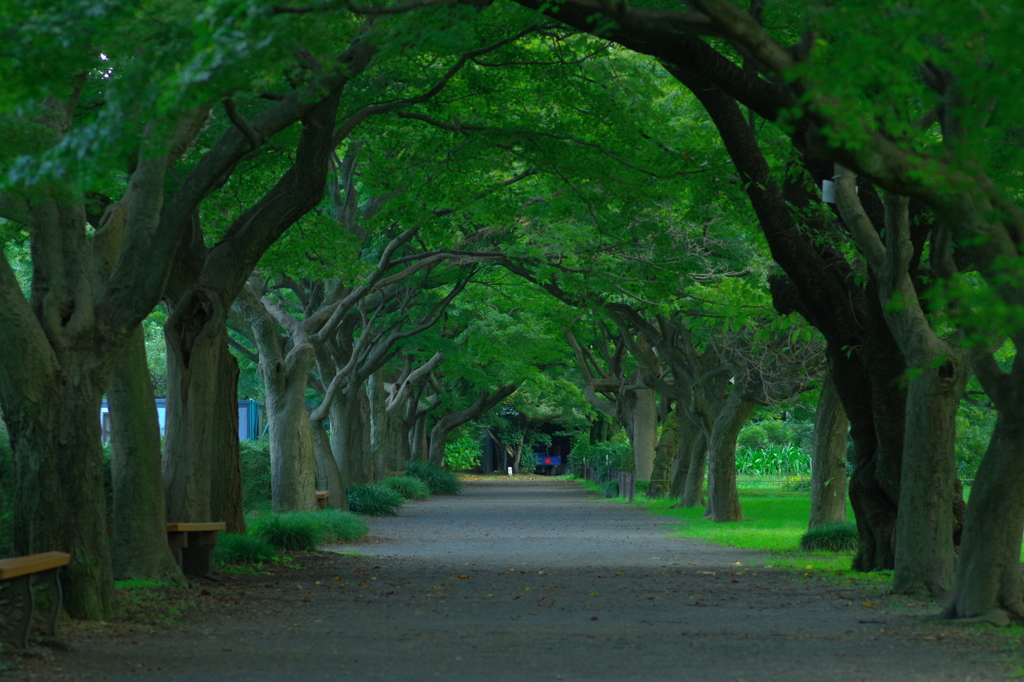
{"x":358,"y":198}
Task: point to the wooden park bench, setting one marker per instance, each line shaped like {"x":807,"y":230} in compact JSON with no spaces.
{"x":192,"y":545}
{"x":30,"y":594}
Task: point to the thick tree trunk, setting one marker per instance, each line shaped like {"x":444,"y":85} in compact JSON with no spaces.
{"x":327,"y":468}
{"x":139,"y":546}
{"x":828,"y":460}
{"x":196,"y":337}
{"x":987,"y":584}
{"x":419,"y":444}
{"x":348,"y":438}
{"x":292,"y":456}
{"x":643,"y":416}
{"x":665,"y":455}
{"x":379,"y":426}
{"x":723,"y":497}
{"x":59,"y":501}
{"x":638,"y":411}
{"x":688,"y":469}
{"x":226,"y":468}
{"x":927,"y":520}
{"x":875,"y":408}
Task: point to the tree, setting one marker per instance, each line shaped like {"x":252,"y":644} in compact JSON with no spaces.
{"x":952,"y":172}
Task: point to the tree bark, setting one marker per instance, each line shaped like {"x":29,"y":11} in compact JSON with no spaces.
{"x":828,"y":460}
{"x":196,"y":338}
{"x":926,"y":521}
{"x":987,"y":585}
{"x":640,"y":412}
{"x":285,"y":376}
{"x":665,"y":456}
{"x":348,"y":438}
{"x":226,"y":467}
{"x":327,"y":468}
{"x":139,"y":546}
{"x":723,"y":497}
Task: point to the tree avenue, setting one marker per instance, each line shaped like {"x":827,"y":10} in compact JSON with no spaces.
{"x":416,"y":216}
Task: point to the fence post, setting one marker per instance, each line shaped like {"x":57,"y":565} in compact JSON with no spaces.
{"x":631,"y":485}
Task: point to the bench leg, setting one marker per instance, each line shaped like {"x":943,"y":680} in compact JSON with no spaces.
{"x":16,"y":611}
{"x":48,"y":600}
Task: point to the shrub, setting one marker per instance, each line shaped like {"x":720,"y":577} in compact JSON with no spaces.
{"x":242,"y":549}
{"x":288,"y":531}
{"x":610,"y":488}
{"x":255,"y":461}
{"x":439,"y":481}
{"x":339,"y":526}
{"x":408,"y":487}
{"x":464,"y":452}
{"x":604,"y":456}
{"x":834,"y":537}
{"x":374,"y":500}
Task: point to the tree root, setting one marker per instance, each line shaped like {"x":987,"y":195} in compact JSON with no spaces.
{"x":996,"y":616}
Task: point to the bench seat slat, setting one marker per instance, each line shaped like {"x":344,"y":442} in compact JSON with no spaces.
{"x":193,"y":527}
{"x":33,"y":563}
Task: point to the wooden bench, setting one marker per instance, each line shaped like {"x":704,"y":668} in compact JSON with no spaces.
{"x":192,"y":545}
{"x":31,"y":592}
{"x":322,"y":497}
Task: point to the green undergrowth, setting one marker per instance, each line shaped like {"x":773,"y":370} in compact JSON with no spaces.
{"x":269,"y":534}
{"x":374,"y":499}
{"x":440,"y":481}
{"x":408,"y":487}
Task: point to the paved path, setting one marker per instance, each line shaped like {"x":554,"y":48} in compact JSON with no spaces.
{"x":543,"y":582}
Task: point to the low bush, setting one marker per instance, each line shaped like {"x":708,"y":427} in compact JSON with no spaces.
{"x":339,"y":526}
{"x":373,"y":499}
{"x":288,"y":531}
{"x":242,"y":549}
{"x":439,"y":481}
{"x":408,"y":487}
{"x":834,"y":537}
{"x":610,"y":488}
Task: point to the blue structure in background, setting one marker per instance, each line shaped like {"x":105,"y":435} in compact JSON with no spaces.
{"x":250,"y":418}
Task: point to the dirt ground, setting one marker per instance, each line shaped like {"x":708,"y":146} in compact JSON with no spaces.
{"x":533,"y":580}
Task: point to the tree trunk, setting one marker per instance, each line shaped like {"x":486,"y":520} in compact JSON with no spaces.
{"x":688,"y":469}
{"x":348,"y":438}
{"x":226,"y":468}
{"x":196,"y":337}
{"x":828,"y":461}
{"x":327,"y":468}
{"x":379,"y":426}
{"x":927,"y":521}
{"x":644,"y":432}
{"x":59,"y":502}
{"x":723,"y":497}
{"x":139,"y":546}
{"x":987,"y":584}
{"x":665,"y":455}
{"x":419,"y":444}
{"x":292,"y":456}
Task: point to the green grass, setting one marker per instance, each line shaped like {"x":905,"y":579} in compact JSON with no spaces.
{"x":408,"y":487}
{"x":775,"y":521}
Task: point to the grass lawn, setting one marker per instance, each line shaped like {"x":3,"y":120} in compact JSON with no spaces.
{"x":775,"y":520}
